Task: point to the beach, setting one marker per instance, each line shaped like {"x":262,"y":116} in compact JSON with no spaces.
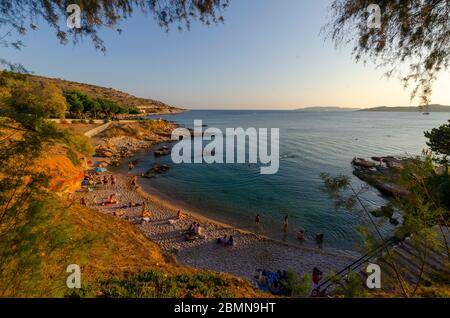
{"x":251,"y":252}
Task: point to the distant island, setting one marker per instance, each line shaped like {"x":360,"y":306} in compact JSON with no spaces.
{"x":327,"y":109}
{"x":429,"y":108}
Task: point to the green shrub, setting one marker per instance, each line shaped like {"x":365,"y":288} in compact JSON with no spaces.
{"x":297,"y":287}
{"x":157,"y":284}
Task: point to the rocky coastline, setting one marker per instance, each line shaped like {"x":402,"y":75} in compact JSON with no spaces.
{"x":251,"y":252}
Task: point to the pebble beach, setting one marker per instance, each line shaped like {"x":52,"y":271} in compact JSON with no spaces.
{"x":252,"y":251}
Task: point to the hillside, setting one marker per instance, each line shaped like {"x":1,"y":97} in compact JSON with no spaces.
{"x":116,"y":259}
{"x":146,"y":105}
{"x":429,"y":108}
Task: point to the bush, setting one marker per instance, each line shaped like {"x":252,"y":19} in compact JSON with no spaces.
{"x":297,"y":287}
{"x":91,"y":121}
{"x":106,"y":120}
{"x":158,"y":284}
{"x":134,"y":111}
{"x":83,"y":121}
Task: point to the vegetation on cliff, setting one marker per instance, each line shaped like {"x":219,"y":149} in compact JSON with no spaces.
{"x":42,"y":231}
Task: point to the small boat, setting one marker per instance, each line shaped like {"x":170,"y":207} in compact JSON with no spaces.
{"x":426,"y":113}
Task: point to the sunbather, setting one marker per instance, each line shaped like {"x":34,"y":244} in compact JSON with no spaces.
{"x":223,"y":240}
{"x":111,"y":200}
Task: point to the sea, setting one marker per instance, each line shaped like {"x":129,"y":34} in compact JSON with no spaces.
{"x":310,"y":143}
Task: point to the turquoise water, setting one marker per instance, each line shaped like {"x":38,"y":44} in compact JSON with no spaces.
{"x":310,"y":143}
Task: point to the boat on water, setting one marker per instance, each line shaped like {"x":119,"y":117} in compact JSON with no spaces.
{"x":426,"y":113}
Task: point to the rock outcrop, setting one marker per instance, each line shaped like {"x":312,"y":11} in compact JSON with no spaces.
{"x":156,"y":169}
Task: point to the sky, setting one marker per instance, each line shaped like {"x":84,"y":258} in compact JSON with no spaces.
{"x":269,"y":54}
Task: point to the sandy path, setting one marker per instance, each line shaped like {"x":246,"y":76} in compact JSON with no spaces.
{"x":252,"y":251}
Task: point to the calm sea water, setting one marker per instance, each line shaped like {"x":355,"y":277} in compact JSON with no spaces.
{"x":310,"y":143}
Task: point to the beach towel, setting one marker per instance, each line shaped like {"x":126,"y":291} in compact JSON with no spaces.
{"x":99,"y":170}
{"x":173,"y":221}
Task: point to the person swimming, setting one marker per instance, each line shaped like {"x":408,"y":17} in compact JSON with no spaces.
{"x":301,"y":235}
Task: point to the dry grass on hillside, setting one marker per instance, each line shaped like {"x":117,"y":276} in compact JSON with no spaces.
{"x":122,"y":98}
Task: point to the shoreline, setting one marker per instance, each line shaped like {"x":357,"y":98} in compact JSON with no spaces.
{"x":253,"y":251}
{"x":198,"y":216}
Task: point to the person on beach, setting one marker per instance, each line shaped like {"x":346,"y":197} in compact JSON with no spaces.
{"x":200,"y":232}
{"x":179,"y":215}
{"x":192,"y":228}
{"x":192,"y":233}
{"x":223,"y":240}
{"x":130,"y":166}
{"x":146,"y":214}
{"x":134,"y":181}
{"x":113,"y":180}
{"x":83,"y":201}
{"x":257,"y":220}
{"x":286,"y":223}
{"x":112,"y":199}
{"x":316,"y":277}
{"x":94,"y":200}
{"x":231,"y":242}
{"x":105,"y":181}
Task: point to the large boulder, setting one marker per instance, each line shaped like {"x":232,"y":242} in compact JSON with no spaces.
{"x":163,"y":151}
{"x":104,"y":152}
{"x":156,"y":169}
{"x":360,"y":162}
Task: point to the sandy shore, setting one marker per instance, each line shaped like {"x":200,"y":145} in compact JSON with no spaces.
{"x":252,"y":251}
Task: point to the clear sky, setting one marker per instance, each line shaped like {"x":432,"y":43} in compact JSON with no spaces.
{"x":269,"y":54}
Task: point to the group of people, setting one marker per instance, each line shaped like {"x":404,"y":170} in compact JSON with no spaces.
{"x":277,"y":284}
{"x":194,"y":232}
{"x":226,"y":241}
{"x":90,"y":181}
{"x":274,"y":282}
{"x":112,"y":180}
{"x":300,"y":232}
